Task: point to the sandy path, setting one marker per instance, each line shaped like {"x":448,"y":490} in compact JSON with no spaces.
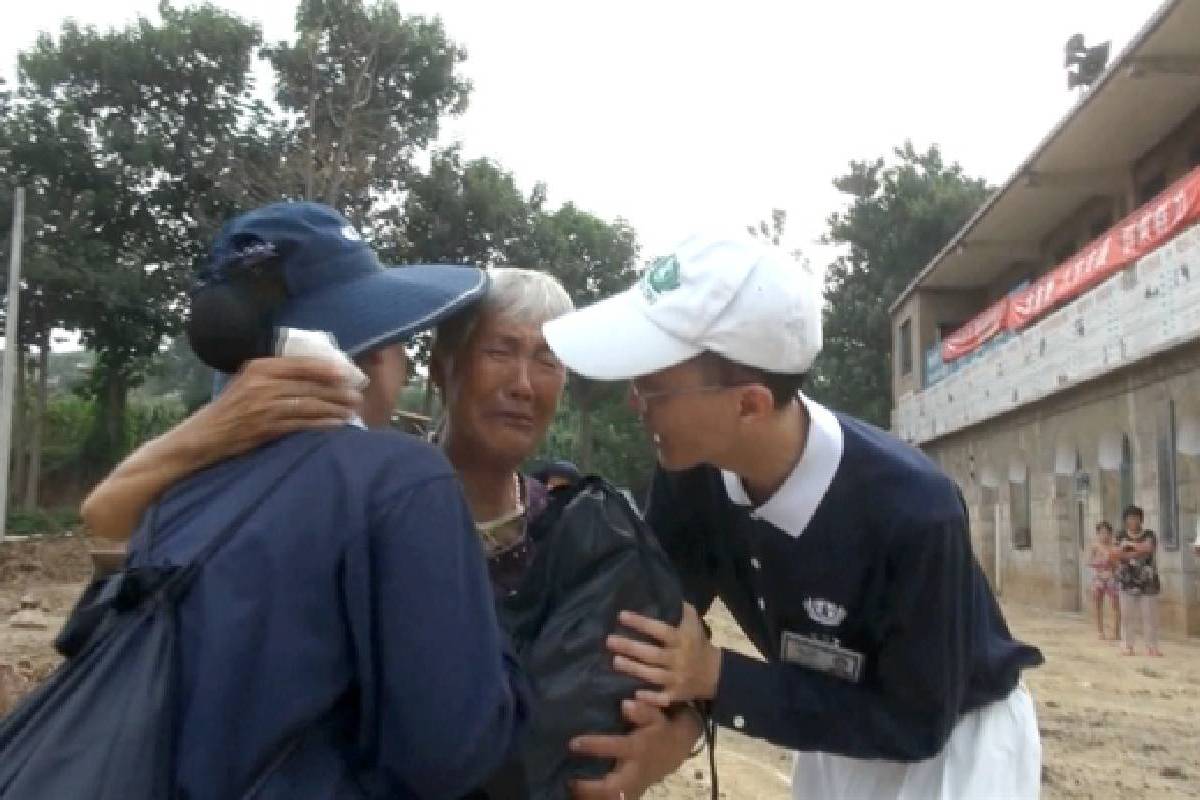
{"x":1113,"y":726}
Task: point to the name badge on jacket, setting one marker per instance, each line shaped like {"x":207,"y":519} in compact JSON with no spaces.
{"x":806,"y":651}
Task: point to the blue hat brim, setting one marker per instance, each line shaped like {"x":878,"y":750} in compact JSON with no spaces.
{"x":386,"y":307}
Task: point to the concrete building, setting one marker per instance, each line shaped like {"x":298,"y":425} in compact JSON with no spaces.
{"x":1049,"y":356}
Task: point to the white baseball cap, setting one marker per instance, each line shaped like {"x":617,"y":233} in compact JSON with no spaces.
{"x":738,"y":297}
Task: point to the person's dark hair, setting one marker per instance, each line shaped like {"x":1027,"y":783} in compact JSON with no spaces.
{"x":230,"y":320}
{"x":1133,"y":511}
{"x":783,"y":386}
{"x":1105,"y":525}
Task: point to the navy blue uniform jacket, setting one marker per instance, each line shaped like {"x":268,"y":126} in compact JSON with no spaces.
{"x":882,"y":580}
{"x":349,"y":624}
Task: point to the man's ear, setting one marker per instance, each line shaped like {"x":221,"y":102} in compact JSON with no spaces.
{"x":756,"y":403}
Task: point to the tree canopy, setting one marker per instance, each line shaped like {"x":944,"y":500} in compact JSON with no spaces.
{"x":900,"y":212}
{"x":135,"y":143}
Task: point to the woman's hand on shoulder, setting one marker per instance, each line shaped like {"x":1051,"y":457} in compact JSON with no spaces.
{"x":272,"y":397}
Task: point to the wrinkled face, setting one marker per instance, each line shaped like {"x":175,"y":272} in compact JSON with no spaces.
{"x":691,"y":419}
{"x":388,"y":370}
{"x":502,"y":390}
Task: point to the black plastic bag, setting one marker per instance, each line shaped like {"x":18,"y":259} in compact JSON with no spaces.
{"x":595,"y":558}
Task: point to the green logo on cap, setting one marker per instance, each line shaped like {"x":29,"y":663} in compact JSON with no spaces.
{"x":661,"y":276}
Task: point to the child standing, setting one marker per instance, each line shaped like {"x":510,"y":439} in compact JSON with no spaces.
{"x":1102,"y":558}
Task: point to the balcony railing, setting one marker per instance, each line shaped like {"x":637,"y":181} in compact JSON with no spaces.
{"x":1150,"y":306}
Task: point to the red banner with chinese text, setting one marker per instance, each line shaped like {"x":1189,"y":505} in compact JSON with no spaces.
{"x":1139,"y":234}
{"x":970,"y":336}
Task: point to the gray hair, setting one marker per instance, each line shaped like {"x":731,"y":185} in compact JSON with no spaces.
{"x":528,"y":296}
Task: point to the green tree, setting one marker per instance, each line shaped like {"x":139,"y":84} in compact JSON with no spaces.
{"x":48,"y":154}
{"x":464,"y":213}
{"x":594,"y":259}
{"x":900,"y":213}
{"x":177,"y":372}
{"x":157,"y":107}
{"x":469,"y":213}
{"x":366,"y":87}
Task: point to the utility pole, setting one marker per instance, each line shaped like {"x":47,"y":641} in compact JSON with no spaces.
{"x":11,"y":337}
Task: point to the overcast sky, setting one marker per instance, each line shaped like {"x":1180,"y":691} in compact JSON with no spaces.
{"x":681,"y":115}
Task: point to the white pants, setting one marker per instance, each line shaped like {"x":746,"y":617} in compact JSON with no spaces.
{"x":993,"y":752}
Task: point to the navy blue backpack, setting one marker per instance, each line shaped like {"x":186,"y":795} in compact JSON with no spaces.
{"x":103,"y":725}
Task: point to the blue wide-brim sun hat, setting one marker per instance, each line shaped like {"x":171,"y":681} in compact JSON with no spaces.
{"x":389,"y":306}
{"x":334,"y":280}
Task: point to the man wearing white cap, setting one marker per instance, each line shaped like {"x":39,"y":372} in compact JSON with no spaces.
{"x":843,"y":553}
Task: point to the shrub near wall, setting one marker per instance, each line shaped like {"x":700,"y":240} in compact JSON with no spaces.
{"x":65,"y":475}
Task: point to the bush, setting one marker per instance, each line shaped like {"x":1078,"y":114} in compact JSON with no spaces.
{"x":42,"y":521}
{"x":68,"y":419}
{"x":146,"y":418}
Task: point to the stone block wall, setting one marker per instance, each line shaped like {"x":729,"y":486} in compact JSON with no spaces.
{"x":1087,"y":425}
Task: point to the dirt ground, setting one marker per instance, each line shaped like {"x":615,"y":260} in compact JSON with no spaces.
{"x":48,"y":575}
{"x":1112,"y":726}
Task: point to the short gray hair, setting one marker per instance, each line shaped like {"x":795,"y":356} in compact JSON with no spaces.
{"x":528,"y":296}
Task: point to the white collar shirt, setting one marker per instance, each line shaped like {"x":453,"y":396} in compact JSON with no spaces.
{"x":791,"y":508}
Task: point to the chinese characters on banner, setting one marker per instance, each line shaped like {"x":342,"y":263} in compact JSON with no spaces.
{"x":1137,"y":235}
{"x":1136,"y":313}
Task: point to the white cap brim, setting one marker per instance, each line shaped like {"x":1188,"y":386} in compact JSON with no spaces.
{"x":613,"y":340}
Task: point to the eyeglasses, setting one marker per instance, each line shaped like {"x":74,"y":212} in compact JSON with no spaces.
{"x":641,"y":400}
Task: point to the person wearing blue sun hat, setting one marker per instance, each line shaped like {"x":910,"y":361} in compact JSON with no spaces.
{"x":345,"y":635}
